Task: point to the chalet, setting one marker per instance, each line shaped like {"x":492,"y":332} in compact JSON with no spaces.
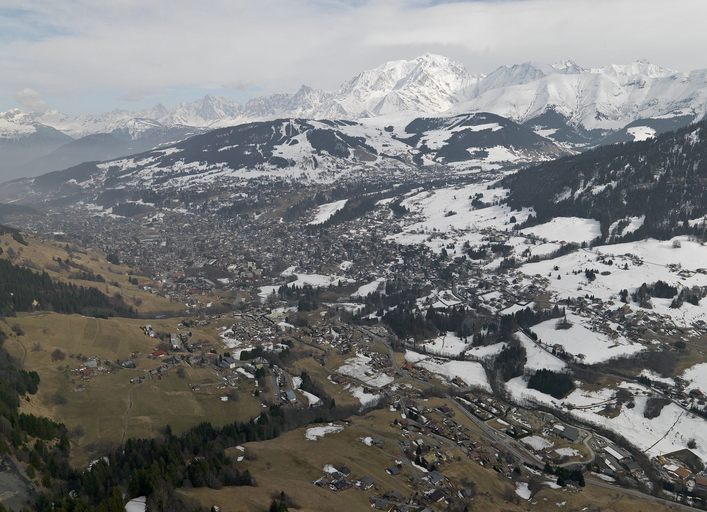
{"x":344,"y":470}
{"x":228,"y":362}
{"x":618,"y":453}
{"x":436,"y":496}
{"x":380,"y":504}
{"x":365,"y":483}
{"x":339,"y":485}
{"x":566,"y":431}
{"x":677,"y":472}
{"x":393,"y":470}
{"x":434,"y":477}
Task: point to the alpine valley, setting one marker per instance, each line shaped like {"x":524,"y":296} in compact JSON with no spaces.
{"x":426,"y":290}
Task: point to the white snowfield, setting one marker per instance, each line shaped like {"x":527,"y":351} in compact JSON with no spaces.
{"x":567,"y":452}
{"x":313,"y":280}
{"x":448,"y":344}
{"x":537,"y":442}
{"x":368,"y":288}
{"x":670,"y":431}
{"x":365,"y":398}
{"x":697,"y":376}
{"x":640,"y":133}
{"x":539,"y":358}
{"x":680,"y":262}
{"x":314,"y":433}
{"x":587,"y":345}
{"x":567,"y":229}
{"x":633,"y":224}
{"x":469,"y":372}
{"x":325,"y":211}
{"x":523,"y":490}
{"x":312,"y":399}
{"x":360,"y":368}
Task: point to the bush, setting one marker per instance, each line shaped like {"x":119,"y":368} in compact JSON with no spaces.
{"x":58,"y":355}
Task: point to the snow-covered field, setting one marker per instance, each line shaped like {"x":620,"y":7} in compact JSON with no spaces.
{"x":641,"y":132}
{"x":360,"y":368}
{"x":314,"y":433}
{"x":567,"y":452}
{"x":470,"y":372}
{"x":448,"y":344}
{"x":567,"y":229}
{"x":632,"y":264}
{"x":301,"y":279}
{"x":670,"y":431}
{"x":537,"y":442}
{"x":312,"y":399}
{"x":537,"y":357}
{"x":697,"y":376}
{"x":523,"y":490}
{"x":366,"y":399}
{"x":585,"y":344}
{"x":325,"y":211}
{"x":368,"y":288}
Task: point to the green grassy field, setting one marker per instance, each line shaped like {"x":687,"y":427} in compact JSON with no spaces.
{"x":106,"y":409}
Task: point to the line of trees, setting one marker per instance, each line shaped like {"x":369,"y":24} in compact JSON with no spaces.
{"x":22,"y":289}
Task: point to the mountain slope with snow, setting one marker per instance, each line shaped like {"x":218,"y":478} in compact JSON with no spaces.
{"x":604,"y":98}
{"x":651,"y":188}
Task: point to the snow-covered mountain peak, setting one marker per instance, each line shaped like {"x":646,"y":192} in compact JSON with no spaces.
{"x":15,"y":122}
{"x":639,"y":67}
{"x":568,"y":67}
{"x":429,"y":83}
{"x":203,"y":112}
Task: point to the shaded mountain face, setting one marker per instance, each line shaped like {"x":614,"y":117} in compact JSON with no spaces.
{"x":102,"y":146}
{"x":481,"y":136}
{"x":22,"y":140}
{"x":661,"y":181}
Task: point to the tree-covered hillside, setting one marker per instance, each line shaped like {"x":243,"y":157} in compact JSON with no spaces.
{"x":663,"y":178}
{"x":22,"y":289}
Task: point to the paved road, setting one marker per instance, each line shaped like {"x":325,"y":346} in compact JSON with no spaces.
{"x":509,"y":444}
{"x":595,"y":482}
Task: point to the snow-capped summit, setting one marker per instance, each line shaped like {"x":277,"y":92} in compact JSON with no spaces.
{"x":203,"y":112}
{"x":605,"y":98}
{"x":429,"y":84}
{"x":640,"y":68}
{"x":15,"y":123}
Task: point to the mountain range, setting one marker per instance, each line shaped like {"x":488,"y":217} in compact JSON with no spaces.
{"x":305,"y":149}
{"x":569,"y":104}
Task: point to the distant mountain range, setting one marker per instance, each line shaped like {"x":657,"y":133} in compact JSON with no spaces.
{"x":569,"y":104}
{"x":298,"y":148}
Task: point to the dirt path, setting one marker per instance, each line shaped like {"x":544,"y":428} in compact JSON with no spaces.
{"x":126,"y":416}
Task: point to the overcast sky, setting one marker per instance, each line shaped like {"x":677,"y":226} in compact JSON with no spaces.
{"x":88,"y":55}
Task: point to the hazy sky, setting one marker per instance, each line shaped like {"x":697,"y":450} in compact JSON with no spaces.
{"x":95,"y":55}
